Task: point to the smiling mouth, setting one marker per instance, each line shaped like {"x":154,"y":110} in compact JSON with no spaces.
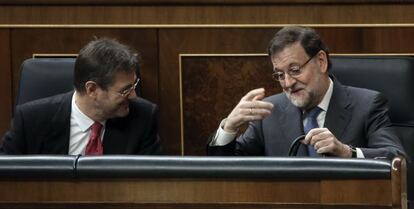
{"x":295,"y":91}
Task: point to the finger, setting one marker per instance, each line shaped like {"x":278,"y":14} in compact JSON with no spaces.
{"x":246,"y":111}
{"x":259,"y":97}
{"x":262,"y":112}
{"x":248,"y":118}
{"x":254,"y":93}
{"x":312,"y":133}
{"x":254,"y":112}
{"x":325,"y":149}
{"x":317,"y":131}
{"x":262,"y":104}
{"x":322,"y":143}
{"x":304,"y":142}
{"x":325,"y":135}
{"x":330,"y":144}
{"x":255,"y":105}
{"x":248,"y":114}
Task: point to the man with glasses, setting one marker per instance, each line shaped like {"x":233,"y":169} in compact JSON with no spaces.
{"x":336,"y":120}
{"x":102,"y":116}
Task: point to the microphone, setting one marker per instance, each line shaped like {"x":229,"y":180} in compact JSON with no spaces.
{"x":293,"y":149}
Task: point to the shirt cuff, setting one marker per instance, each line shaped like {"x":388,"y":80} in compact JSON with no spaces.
{"x":222,"y":137}
{"x":359,"y":152}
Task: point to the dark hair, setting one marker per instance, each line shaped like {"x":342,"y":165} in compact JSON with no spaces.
{"x":307,"y":37}
{"x":100,"y":60}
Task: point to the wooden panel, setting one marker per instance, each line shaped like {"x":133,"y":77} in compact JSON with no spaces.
{"x":367,"y":191}
{"x":197,"y":41}
{"x":215,"y":192}
{"x":161,"y":191}
{"x":212,"y":86}
{"x":182,"y":206}
{"x":5,"y":81}
{"x":192,"y":2}
{"x":56,"y":41}
{"x":208,"y":193}
{"x":391,"y":40}
{"x":273,"y":13}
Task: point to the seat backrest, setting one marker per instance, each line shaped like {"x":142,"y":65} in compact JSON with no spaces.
{"x":394,"y":77}
{"x":43,"y":77}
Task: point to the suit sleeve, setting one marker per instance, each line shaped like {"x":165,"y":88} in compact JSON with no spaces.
{"x":14,"y":139}
{"x":151,"y":144}
{"x":250,"y":143}
{"x":382,"y":142}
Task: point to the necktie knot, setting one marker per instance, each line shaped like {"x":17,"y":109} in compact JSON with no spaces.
{"x":96,"y":129}
{"x":313,"y":113}
{"x":311,"y":121}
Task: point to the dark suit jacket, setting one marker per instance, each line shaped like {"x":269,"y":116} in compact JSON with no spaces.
{"x":357,"y":117}
{"x":43,"y":127}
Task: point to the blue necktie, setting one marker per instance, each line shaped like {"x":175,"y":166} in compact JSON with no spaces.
{"x":312,"y":123}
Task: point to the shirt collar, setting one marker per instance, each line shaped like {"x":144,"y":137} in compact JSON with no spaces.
{"x":324,"y":104}
{"x":80,"y":118}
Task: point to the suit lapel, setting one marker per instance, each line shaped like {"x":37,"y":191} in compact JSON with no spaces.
{"x":57,"y":139}
{"x":292,"y":126}
{"x":339,"y":111}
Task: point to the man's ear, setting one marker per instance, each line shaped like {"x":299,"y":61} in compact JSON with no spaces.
{"x":323,"y":61}
{"x":91,"y":88}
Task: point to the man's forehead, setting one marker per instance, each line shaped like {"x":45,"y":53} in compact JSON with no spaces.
{"x":290,"y":54}
{"x":124,"y":78}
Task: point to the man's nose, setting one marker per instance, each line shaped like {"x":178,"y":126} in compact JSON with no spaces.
{"x":289,"y":81}
{"x":132,"y":94}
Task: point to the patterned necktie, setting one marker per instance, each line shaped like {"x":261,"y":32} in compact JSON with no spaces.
{"x":312,"y":123}
{"x":94,"y":146}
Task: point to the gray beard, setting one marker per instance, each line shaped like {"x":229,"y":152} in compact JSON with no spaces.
{"x":300,"y":103}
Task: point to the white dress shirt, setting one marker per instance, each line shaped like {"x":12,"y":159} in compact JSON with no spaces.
{"x":223,"y":137}
{"x":80,"y":129}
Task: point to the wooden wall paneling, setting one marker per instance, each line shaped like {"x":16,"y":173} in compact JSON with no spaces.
{"x":342,"y":39}
{"x":183,"y":2}
{"x":197,"y":41}
{"x":5,"y":81}
{"x":197,"y":193}
{"x":388,"y":40}
{"x":164,"y":190}
{"x":370,"y":191}
{"x":211,"y":86}
{"x":220,"y":13}
{"x":182,"y":206}
{"x":360,"y":40}
{"x":64,"y":41}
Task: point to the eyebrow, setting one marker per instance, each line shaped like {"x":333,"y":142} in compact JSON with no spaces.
{"x":290,"y":65}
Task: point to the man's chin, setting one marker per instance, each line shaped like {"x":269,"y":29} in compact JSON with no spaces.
{"x":122,"y":112}
{"x":297,"y":101}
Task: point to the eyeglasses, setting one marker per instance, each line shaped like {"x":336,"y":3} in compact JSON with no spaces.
{"x":294,"y":71}
{"x":126,"y":92}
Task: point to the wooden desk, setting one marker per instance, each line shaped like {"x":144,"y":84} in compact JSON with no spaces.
{"x":208,"y":192}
